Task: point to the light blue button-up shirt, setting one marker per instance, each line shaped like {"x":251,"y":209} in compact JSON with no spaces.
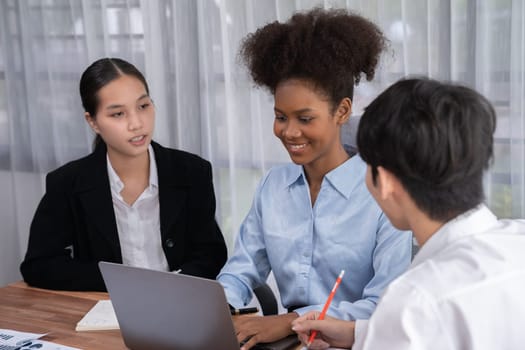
{"x":306,"y":247}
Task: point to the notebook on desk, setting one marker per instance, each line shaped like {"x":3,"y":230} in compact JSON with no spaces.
{"x":162,"y":310}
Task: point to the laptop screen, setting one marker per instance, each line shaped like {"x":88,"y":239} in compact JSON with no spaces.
{"x":162,"y":310}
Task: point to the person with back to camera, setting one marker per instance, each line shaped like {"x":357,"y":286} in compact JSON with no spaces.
{"x":131,"y":201}
{"x":311,"y":219}
{"x":427,"y":145}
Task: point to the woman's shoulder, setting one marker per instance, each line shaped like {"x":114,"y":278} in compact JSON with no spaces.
{"x":177,"y":154}
{"x":73,"y":167}
{"x":280,"y":176}
{"x":76,"y":171}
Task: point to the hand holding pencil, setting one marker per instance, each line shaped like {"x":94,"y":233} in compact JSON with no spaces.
{"x":326,"y":306}
{"x":332,"y":332}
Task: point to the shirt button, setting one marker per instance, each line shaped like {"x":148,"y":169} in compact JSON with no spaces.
{"x":170,"y":243}
{"x":306,"y":255}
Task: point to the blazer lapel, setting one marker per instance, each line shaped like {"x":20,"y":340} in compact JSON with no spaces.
{"x":94,"y":193}
{"x":173,"y":188}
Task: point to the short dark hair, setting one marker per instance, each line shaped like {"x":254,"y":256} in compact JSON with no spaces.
{"x":436,"y":138}
{"x":329,"y":48}
{"x":99,"y":74}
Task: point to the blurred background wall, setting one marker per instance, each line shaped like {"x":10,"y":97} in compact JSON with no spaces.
{"x":204,"y":100}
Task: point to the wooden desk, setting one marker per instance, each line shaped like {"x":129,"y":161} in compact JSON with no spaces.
{"x":35,"y":310}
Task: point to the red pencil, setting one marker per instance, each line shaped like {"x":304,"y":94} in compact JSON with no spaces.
{"x":326,"y":306}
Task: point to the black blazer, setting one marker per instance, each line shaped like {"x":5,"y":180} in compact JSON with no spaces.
{"x":74,"y":226}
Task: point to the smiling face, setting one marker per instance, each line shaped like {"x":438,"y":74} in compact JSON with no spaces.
{"x":125,"y":117}
{"x":307,"y":126}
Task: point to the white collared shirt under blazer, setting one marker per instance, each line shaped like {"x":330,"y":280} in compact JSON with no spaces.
{"x":139,"y":224}
{"x":464,"y":290}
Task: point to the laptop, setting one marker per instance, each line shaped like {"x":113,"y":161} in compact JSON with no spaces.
{"x":162,"y":310}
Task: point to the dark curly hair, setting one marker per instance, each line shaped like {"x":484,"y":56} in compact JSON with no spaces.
{"x":329,"y":48}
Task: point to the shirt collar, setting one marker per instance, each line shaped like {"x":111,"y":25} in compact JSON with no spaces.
{"x":344,"y":178}
{"x":474,"y":221}
{"x":116,"y":183}
{"x":153,"y":174}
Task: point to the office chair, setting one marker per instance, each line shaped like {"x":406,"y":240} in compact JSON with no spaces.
{"x":266,"y":299}
{"x":415,"y":248}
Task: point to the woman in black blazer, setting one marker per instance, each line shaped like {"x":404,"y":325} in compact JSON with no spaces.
{"x":130,"y":201}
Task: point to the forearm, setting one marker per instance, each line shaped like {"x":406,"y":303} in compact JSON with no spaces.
{"x":330,"y":332}
{"x":62,"y":273}
{"x":238,"y":293}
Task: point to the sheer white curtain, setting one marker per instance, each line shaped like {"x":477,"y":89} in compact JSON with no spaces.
{"x":205,"y":102}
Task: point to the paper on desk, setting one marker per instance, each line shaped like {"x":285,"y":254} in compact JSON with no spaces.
{"x":9,"y":337}
{"x":100,"y":317}
{"x":14,"y":340}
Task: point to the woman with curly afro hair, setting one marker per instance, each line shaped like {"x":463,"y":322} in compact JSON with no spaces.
{"x":315,"y":217}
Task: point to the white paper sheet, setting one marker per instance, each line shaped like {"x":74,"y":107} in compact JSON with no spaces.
{"x":100,"y":317}
{"x":15,"y":340}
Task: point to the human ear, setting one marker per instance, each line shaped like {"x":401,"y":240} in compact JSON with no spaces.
{"x":386,"y":183}
{"x":91,"y":121}
{"x":343,"y":110}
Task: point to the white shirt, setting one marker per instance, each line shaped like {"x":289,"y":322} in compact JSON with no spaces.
{"x":465,"y":289}
{"x":138,"y":225}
